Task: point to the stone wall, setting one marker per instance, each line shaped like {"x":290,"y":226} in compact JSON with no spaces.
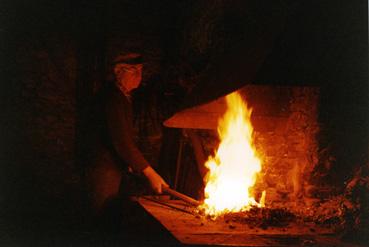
{"x":288,"y":146}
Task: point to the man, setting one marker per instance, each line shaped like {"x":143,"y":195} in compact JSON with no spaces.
{"x":116,"y":152}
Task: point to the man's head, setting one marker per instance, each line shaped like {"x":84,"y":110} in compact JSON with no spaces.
{"x":128,"y":71}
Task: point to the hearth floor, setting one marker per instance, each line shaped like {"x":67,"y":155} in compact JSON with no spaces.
{"x":189,"y":228}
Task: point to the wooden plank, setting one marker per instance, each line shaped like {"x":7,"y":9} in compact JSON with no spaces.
{"x":196,"y":230}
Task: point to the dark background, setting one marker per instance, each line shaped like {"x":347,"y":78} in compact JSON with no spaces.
{"x":55,"y":54}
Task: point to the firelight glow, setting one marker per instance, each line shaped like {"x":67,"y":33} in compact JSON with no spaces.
{"x":233,"y":169}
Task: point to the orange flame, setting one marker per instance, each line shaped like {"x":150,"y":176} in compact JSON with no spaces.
{"x":232,"y":172}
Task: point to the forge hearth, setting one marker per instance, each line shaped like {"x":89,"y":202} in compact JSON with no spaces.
{"x":300,"y":207}
{"x":297,"y":210}
{"x":285,"y":135}
{"x":188,"y":227}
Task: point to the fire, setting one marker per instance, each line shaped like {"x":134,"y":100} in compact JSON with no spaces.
{"x":233,"y":169}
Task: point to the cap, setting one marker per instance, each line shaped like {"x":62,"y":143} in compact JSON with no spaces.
{"x":130,"y":58}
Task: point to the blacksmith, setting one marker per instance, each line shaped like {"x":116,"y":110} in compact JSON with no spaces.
{"x":117,"y":152}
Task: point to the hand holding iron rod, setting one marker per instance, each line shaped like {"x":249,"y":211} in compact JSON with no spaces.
{"x":180,"y":196}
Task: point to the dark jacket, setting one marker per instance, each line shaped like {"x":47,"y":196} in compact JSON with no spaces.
{"x":114,"y":136}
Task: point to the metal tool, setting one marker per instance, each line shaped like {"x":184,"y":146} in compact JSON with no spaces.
{"x":169,"y":205}
{"x":181,"y":196}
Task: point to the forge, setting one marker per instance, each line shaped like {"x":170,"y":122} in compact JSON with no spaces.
{"x":297,"y":208}
{"x":285,"y":134}
{"x":192,"y":229}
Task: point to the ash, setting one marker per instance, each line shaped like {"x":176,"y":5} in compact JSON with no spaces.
{"x":262,"y":217}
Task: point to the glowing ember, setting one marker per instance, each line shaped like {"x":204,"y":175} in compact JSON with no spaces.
{"x":232,"y":172}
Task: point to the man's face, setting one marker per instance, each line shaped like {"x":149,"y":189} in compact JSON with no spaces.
{"x":128,"y":76}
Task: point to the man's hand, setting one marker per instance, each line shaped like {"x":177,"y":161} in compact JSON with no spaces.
{"x":156,"y":182}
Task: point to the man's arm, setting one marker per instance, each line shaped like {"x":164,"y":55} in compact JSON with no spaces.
{"x":120,"y":132}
